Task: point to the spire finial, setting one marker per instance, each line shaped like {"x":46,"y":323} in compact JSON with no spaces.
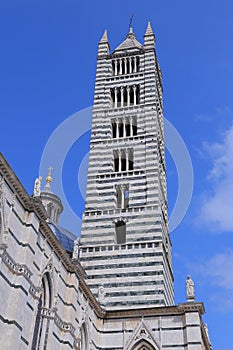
{"x":49,"y":179}
{"x":130,"y":24}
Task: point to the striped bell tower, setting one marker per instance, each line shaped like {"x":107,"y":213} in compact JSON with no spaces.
{"x":125,"y":246}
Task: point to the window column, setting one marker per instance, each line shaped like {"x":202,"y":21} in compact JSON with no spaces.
{"x":131,"y":126}
{"x":135,"y":64}
{"x":120,"y":163}
{"x":128,"y":95}
{"x":127,"y":159}
{"x":134,"y":95}
{"x":120,"y":71}
{"x":117,"y":129}
{"x":115,"y":61}
{"x":124,"y":127}
{"x":125,"y":62}
{"x":130,"y":64}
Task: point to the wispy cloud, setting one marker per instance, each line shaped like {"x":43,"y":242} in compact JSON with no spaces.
{"x":217,"y":273}
{"x":202,"y":118}
{"x":216,"y":209}
{"x":219,"y":269}
{"x":219,"y":111}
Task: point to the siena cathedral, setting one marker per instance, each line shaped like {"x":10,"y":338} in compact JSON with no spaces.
{"x":112,"y":288}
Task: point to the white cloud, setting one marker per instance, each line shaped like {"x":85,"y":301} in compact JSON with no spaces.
{"x":217,"y":206}
{"x":217,"y":274}
{"x":219,"y":269}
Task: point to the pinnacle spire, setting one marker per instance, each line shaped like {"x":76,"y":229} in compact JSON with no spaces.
{"x":104,"y":45}
{"x":104,"y":38}
{"x":149,"y":30}
{"x":149,"y":37}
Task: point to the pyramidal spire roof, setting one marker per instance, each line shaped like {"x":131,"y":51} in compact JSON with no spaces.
{"x":129,"y":43}
{"x":104,"y":38}
{"x":149,"y":30}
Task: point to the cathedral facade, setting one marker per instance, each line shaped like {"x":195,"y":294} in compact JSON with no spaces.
{"x":112,"y":288}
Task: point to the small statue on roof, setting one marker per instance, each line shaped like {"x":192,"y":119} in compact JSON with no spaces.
{"x":37,"y":187}
{"x":190,"y":295}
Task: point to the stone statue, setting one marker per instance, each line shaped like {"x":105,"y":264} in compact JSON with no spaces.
{"x":37,"y":187}
{"x":190,"y":296}
{"x":101,"y":295}
{"x":76,"y":249}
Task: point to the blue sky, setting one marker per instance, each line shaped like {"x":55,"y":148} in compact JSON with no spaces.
{"x":47,"y":63}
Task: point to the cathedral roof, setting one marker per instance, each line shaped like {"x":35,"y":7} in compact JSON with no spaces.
{"x":130,"y":43}
{"x":65,"y":237}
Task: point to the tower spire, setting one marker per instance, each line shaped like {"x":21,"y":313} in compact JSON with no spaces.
{"x":104,"y":38}
{"x":149,"y":37}
{"x":103,"y":48}
{"x":149,"y":30}
{"x":130,"y":23}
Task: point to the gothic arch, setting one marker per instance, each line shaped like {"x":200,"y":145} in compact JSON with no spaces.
{"x":143,"y":345}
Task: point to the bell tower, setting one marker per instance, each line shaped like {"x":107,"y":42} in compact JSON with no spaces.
{"x":125,"y":246}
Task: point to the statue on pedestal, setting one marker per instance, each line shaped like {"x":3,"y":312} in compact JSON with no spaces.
{"x":190,"y":296}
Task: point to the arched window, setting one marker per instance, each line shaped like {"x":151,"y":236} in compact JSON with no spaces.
{"x":84,"y":338}
{"x":120,"y":228}
{"x":41,"y":329}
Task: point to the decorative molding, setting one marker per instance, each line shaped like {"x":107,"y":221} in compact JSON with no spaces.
{"x":64,"y":326}
{"x":16,"y":268}
{"x":21,"y":270}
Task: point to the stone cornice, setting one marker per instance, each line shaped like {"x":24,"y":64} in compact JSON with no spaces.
{"x":157,"y":311}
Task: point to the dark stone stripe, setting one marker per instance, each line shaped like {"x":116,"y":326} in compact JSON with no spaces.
{"x":67,"y":304}
{"x":23,"y":222}
{"x":5,"y":320}
{"x":38,"y":245}
{"x":128,"y":274}
{"x":137,"y":302}
{"x":16,"y":286}
{"x":36,"y":266}
{"x":24,"y":340}
{"x":127,"y":284}
{"x":108,"y":348}
{"x":30,"y":306}
{"x":25,"y":245}
{"x":121,"y":256}
{"x":184,"y":345}
{"x":69,"y":285}
{"x":63,"y":341}
{"x":133,"y":293}
{"x":119,"y":266}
